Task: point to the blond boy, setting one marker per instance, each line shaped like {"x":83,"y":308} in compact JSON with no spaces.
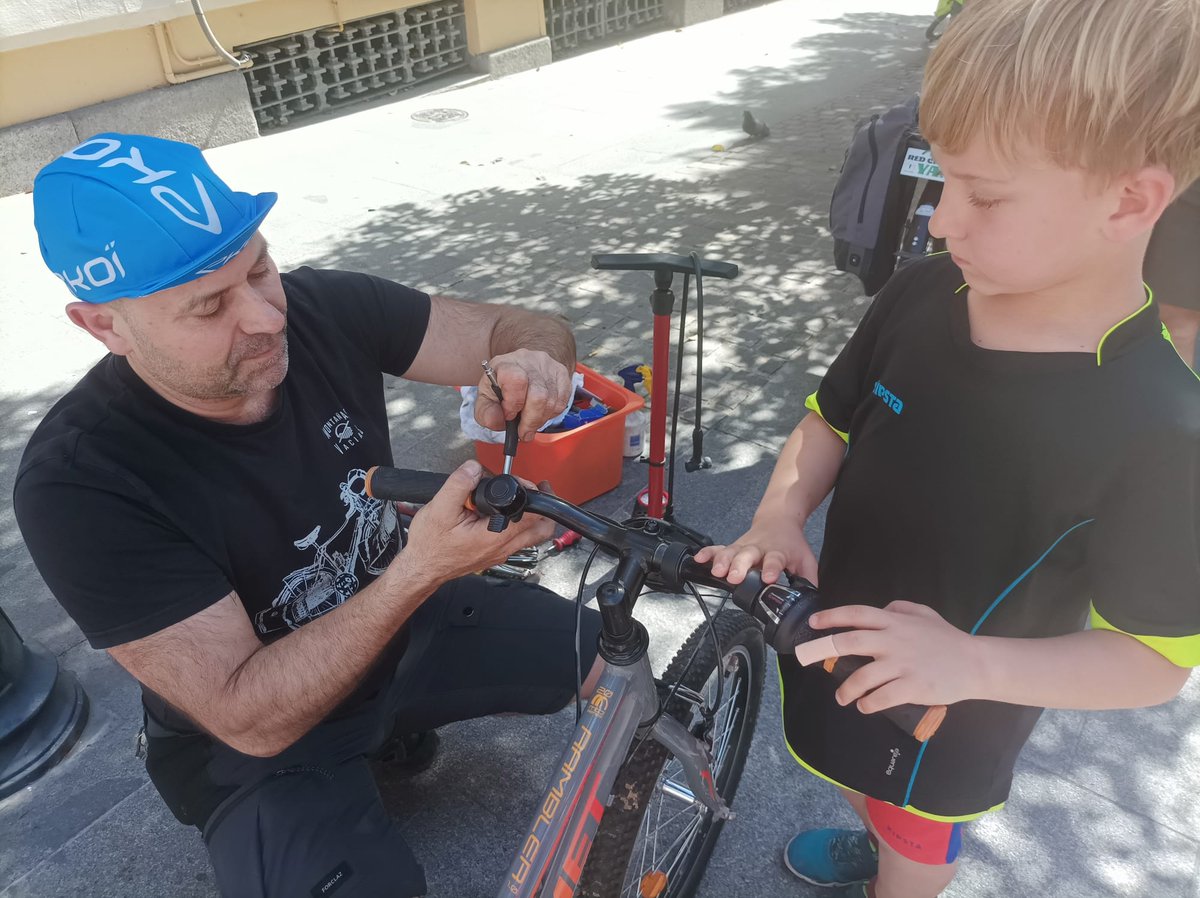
{"x":1015,"y":446}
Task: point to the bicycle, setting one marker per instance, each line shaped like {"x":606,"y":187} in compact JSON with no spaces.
{"x":637,"y":801}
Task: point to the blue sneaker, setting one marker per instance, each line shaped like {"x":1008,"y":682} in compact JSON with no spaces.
{"x":832,"y":857}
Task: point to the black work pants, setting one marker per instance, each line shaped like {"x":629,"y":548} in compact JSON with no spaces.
{"x":309,"y":821}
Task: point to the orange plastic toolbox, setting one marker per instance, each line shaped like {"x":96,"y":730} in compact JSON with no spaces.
{"x":580,"y":463}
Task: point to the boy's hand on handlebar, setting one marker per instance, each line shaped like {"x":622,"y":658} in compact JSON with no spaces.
{"x":919,"y":658}
{"x":535,"y":386}
{"x":777,"y":545}
{"x":448,"y":540}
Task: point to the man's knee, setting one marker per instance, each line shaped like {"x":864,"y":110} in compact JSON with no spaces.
{"x":311,"y":831}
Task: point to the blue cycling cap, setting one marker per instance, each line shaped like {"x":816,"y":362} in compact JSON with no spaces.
{"x":124,"y":215}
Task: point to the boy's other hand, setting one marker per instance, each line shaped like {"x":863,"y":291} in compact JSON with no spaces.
{"x":920,"y":659}
{"x":777,"y":545}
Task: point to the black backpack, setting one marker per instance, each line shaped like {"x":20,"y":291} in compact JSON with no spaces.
{"x":871,"y":199}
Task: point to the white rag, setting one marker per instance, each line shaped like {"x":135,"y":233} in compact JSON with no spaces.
{"x":476,"y":431}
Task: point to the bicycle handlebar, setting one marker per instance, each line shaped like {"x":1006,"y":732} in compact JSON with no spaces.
{"x":401,"y":485}
{"x":645,"y":545}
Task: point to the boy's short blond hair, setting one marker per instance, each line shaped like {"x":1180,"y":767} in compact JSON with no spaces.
{"x":1106,"y":86}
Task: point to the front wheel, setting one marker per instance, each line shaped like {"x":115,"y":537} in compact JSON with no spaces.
{"x":655,"y":838}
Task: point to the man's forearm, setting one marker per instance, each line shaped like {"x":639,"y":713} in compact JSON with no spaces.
{"x":1092,"y":670}
{"x":805,"y":472}
{"x":519,"y":329}
{"x":284,"y":689}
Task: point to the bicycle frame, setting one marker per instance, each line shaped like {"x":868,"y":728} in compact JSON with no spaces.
{"x":551,"y":857}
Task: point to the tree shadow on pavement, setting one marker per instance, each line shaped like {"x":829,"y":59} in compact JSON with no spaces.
{"x":823,"y":63}
{"x":769,"y":336}
{"x":24,"y":598}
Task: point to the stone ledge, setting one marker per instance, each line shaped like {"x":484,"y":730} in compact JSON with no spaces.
{"x":208,"y":112}
{"x":28,"y":146}
{"x":681,"y":13}
{"x":518,"y":58}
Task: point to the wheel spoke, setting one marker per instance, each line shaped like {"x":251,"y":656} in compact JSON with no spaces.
{"x":731,"y":720}
{"x":684,"y":810}
{"x":731,"y":713}
{"x":719,"y":761}
{"x":688,"y":833}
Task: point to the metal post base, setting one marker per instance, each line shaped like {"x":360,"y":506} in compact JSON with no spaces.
{"x":42,"y":710}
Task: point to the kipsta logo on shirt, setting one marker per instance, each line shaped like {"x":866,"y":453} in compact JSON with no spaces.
{"x":890,"y":399}
{"x":342,"y":431}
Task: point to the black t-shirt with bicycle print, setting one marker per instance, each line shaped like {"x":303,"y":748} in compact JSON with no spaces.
{"x":1018,"y":494}
{"x":139,"y":514}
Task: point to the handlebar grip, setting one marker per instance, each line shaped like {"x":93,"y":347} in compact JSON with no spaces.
{"x":784,"y":612}
{"x":919,"y":721}
{"x":402,"y":485}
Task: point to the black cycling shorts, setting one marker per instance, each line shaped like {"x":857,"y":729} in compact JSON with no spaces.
{"x":310,"y":820}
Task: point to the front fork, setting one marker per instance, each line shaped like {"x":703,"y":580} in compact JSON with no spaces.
{"x":697,"y":766}
{"x":668,"y":732}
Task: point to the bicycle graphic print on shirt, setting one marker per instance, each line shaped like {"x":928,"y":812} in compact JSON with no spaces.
{"x":371,"y":527}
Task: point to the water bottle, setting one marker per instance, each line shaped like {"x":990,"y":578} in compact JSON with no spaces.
{"x":917,"y":240}
{"x":635,"y":430}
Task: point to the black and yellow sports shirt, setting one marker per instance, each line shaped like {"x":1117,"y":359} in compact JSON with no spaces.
{"x":1018,"y":494}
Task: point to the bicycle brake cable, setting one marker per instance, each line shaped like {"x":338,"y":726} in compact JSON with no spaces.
{"x":712,"y":630}
{"x":662,"y":705}
{"x":587,"y":566}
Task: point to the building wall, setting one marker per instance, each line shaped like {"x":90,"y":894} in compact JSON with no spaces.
{"x":74,"y":73}
{"x":90,"y":51}
{"x":496,"y":24}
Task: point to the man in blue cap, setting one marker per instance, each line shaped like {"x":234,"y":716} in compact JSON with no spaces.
{"x":197,"y":504}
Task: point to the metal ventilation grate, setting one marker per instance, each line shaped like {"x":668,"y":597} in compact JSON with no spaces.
{"x":304,"y":74}
{"x":570,"y":23}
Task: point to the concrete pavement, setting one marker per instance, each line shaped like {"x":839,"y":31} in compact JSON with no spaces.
{"x":606,"y":151}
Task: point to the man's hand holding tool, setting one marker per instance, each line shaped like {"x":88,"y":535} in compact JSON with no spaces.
{"x":535,"y":386}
